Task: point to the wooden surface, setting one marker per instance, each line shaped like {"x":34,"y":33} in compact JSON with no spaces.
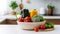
{"x":55,"y":21}
{"x":11,"y":21}
{"x":4,"y":22}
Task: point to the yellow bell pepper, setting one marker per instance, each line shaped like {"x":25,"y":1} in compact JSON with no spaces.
{"x":33,"y":13}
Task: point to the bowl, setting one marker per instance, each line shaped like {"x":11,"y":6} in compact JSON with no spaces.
{"x":30,"y":25}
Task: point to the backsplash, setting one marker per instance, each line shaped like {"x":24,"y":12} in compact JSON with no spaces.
{"x":37,"y":4}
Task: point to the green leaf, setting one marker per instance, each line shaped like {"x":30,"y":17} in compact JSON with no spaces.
{"x":13,"y":5}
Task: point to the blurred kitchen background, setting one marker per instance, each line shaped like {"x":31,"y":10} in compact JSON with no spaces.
{"x":40,"y":5}
{"x":37,"y":4}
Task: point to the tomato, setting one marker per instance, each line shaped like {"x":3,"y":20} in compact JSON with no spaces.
{"x":42,"y":26}
{"x":27,"y":19}
{"x":36,"y":29}
{"x":21,"y":19}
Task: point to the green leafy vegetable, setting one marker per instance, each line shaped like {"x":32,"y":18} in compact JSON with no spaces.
{"x":50,"y":6}
{"x":13,"y":5}
{"x":37,"y":18}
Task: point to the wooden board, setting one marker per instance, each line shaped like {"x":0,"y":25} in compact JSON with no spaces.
{"x":51,"y":29}
{"x":55,"y":21}
{"x":41,"y":30}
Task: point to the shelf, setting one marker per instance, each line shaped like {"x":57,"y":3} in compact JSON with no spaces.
{"x":52,"y":17}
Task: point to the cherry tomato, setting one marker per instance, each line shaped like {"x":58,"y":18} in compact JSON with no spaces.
{"x":42,"y":26}
{"x":21,"y":19}
{"x":27,"y":20}
{"x":36,"y":29}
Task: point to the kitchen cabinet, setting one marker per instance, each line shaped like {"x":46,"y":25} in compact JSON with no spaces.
{"x":3,"y":22}
{"x":11,"y":21}
{"x":55,"y":21}
{"x":8,"y":21}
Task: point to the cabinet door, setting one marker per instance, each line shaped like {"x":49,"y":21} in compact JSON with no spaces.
{"x":3,"y":22}
{"x":55,"y":21}
{"x":11,"y":21}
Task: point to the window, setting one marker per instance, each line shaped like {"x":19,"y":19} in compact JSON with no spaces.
{"x":3,"y":6}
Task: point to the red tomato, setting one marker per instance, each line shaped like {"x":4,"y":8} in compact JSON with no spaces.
{"x":42,"y":26}
{"x":27,"y":18}
{"x":36,"y":29}
{"x":21,"y":19}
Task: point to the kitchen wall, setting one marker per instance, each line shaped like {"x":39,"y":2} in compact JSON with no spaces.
{"x":37,"y":4}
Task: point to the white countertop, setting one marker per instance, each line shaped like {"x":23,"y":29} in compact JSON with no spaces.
{"x":13,"y":17}
{"x":52,"y":17}
{"x":2,"y":18}
{"x":14,"y":29}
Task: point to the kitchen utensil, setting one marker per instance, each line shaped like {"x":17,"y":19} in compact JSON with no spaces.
{"x":21,"y":5}
{"x":42,"y":11}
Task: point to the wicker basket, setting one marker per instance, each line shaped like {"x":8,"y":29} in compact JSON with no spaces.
{"x":29,"y":25}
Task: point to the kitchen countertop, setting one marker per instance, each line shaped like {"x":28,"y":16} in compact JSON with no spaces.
{"x":13,"y":17}
{"x":2,"y":18}
{"x":52,"y":17}
{"x":14,"y":29}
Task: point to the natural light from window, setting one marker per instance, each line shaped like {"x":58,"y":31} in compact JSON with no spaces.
{"x":3,"y":6}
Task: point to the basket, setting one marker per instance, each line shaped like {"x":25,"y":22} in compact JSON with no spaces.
{"x":30,"y":25}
